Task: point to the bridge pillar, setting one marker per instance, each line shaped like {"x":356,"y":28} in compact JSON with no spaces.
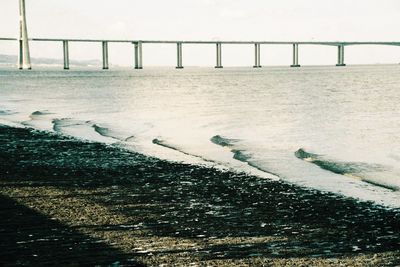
{"x":105,"y":55}
{"x":24,"y":59}
{"x":340,"y":62}
{"x":295,"y":56}
{"x":257,"y":60}
{"x":66,"y":55}
{"x":21,"y":54}
{"x":138,"y":56}
{"x":219,"y":56}
{"x":179,"y":56}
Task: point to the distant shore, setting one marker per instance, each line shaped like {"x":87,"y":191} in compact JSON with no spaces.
{"x":65,"y":201}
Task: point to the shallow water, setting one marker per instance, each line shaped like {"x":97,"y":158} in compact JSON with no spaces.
{"x":345,"y":120}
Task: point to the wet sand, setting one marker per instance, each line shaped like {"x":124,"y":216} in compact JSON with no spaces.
{"x":69,"y":202}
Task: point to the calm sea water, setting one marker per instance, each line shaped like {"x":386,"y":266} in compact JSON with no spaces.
{"x":327,"y":128}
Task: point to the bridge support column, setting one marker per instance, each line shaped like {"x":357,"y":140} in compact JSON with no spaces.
{"x":179,"y":56}
{"x":138,"y":56}
{"x":219,"y":56}
{"x":105,"y":55}
{"x":340,"y":62}
{"x":295,"y":56}
{"x":66,"y":55}
{"x":257,"y":58}
{"x":24,"y":59}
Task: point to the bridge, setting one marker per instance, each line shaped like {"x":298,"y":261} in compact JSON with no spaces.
{"x":24,"y":61}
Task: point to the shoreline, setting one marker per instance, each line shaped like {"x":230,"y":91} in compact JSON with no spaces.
{"x":142,"y":210}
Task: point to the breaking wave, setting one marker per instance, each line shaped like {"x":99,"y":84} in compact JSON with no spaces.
{"x":106,"y":132}
{"x":41,"y":113}
{"x":162,"y":143}
{"x":222,"y":141}
{"x":238,"y":154}
{"x":58,"y":124}
{"x":366,"y":172}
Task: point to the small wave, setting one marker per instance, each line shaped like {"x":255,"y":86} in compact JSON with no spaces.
{"x":338,"y":166}
{"x":106,"y":132}
{"x":302,"y":154}
{"x":246,"y":158}
{"x":238,"y":154}
{"x":92,"y":131}
{"x":58,"y":124}
{"x":130,"y":138}
{"x":79,"y":129}
{"x":222,"y":141}
{"x":7,"y":112}
{"x":358,"y":170}
{"x":162,"y":143}
{"x":40,"y":120}
{"x":41,"y":113}
{"x":101,"y":130}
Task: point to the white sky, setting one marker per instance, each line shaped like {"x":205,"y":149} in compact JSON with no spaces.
{"x":269,"y":20}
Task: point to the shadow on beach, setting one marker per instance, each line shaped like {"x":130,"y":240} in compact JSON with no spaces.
{"x":161,"y":212}
{"x":29,"y":238}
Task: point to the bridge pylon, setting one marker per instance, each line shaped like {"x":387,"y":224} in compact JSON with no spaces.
{"x":24,"y":59}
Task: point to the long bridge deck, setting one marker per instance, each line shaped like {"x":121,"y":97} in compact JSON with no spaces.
{"x":331,"y":43}
{"x":139,"y":55}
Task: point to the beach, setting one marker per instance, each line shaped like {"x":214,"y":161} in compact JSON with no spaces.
{"x":178,"y":133}
{"x":65,"y":201}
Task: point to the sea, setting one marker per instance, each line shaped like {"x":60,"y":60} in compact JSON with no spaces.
{"x":333,"y":129}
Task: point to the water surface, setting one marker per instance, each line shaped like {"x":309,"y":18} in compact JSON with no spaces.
{"x":327,"y":128}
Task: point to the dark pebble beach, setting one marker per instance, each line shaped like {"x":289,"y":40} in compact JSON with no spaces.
{"x":68,"y":202}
